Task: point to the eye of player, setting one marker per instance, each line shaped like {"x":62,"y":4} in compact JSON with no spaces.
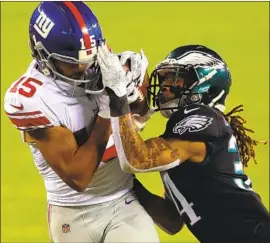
{"x":71,"y":70}
{"x":169,"y":82}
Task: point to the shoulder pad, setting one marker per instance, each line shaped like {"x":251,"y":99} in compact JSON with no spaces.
{"x":24,"y":107}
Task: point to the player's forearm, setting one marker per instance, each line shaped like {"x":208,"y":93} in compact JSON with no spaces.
{"x":136,"y":155}
{"x":74,"y":165}
{"x":140,"y":154}
{"x":136,"y":150}
{"x":162,"y":211}
{"x":87,"y":157}
{"x":129,"y":145}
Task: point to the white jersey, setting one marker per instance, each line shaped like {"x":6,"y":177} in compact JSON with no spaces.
{"x":36,"y":101}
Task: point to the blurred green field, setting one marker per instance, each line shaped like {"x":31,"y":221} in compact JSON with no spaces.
{"x":238,"y":31}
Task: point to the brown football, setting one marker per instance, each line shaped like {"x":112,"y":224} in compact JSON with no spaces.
{"x":140,"y":106}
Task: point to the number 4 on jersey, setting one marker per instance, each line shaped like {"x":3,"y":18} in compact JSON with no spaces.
{"x":176,"y":195}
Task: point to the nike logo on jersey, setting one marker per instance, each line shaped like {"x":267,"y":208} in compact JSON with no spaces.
{"x":129,"y":201}
{"x":18,"y":107}
{"x":188,"y":111}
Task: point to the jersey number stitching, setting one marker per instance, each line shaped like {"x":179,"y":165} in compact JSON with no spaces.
{"x":27,"y":88}
{"x":175,"y":194}
{"x":238,"y":167}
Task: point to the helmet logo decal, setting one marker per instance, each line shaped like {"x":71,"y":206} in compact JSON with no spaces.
{"x":199,"y":59}
{"x":93,"y":42}
{"x":43,"y":25}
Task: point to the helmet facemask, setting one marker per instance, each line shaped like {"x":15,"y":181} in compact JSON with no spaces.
{"x":50,"y":64}
{"x":206,"y":79}
{"x":170,"y":88}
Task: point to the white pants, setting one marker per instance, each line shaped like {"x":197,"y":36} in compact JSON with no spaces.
{"x":120,"y":220}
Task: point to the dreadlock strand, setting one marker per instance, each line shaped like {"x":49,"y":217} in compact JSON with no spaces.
{"x":245,"y":143}
{"x":236,"y":109}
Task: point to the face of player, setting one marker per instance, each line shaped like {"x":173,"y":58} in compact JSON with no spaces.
{"x":168,"y":81}
{"x":70,"y":70}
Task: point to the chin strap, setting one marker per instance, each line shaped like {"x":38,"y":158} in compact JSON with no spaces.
{"x":45,"y":69}
{"x":168,"y":108}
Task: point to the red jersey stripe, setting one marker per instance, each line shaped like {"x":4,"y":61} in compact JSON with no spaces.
{"x":30,"y":122}
{"x":110,"y":153}
{"x":25,"y":113}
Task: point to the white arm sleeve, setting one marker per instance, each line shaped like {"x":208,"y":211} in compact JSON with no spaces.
{"x":124,"y":163}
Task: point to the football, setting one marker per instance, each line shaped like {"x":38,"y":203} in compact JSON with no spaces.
{"x":140,"y":106}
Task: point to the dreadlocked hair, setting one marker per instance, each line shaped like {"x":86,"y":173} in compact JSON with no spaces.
{"x":244,"y":142}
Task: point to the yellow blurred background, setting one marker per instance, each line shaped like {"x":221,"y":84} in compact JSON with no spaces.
{"x":238,"y":31}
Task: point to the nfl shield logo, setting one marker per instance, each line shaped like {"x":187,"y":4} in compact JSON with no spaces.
{"x":65,"y":228}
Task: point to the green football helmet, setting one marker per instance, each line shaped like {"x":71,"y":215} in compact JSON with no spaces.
{"x":205,"y":76}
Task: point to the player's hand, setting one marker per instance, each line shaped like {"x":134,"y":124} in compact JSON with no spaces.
{"x":136,"y":64}
{"x":113,"y":75}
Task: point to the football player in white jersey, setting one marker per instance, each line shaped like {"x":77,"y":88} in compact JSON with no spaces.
{"x":89,"y":196}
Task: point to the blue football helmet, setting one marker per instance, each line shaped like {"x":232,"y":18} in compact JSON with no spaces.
{"x":68,"y":32}
{"x":205,"y":78}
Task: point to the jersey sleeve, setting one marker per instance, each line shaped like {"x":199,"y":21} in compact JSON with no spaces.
{"x":28,"y":113}
{"x":197,"y":123}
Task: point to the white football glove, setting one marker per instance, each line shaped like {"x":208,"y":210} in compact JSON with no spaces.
{"x":113,"y":74}
{"x":103,"y":101}
{"x":138,"y":65}
{"x":135,"y":76}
